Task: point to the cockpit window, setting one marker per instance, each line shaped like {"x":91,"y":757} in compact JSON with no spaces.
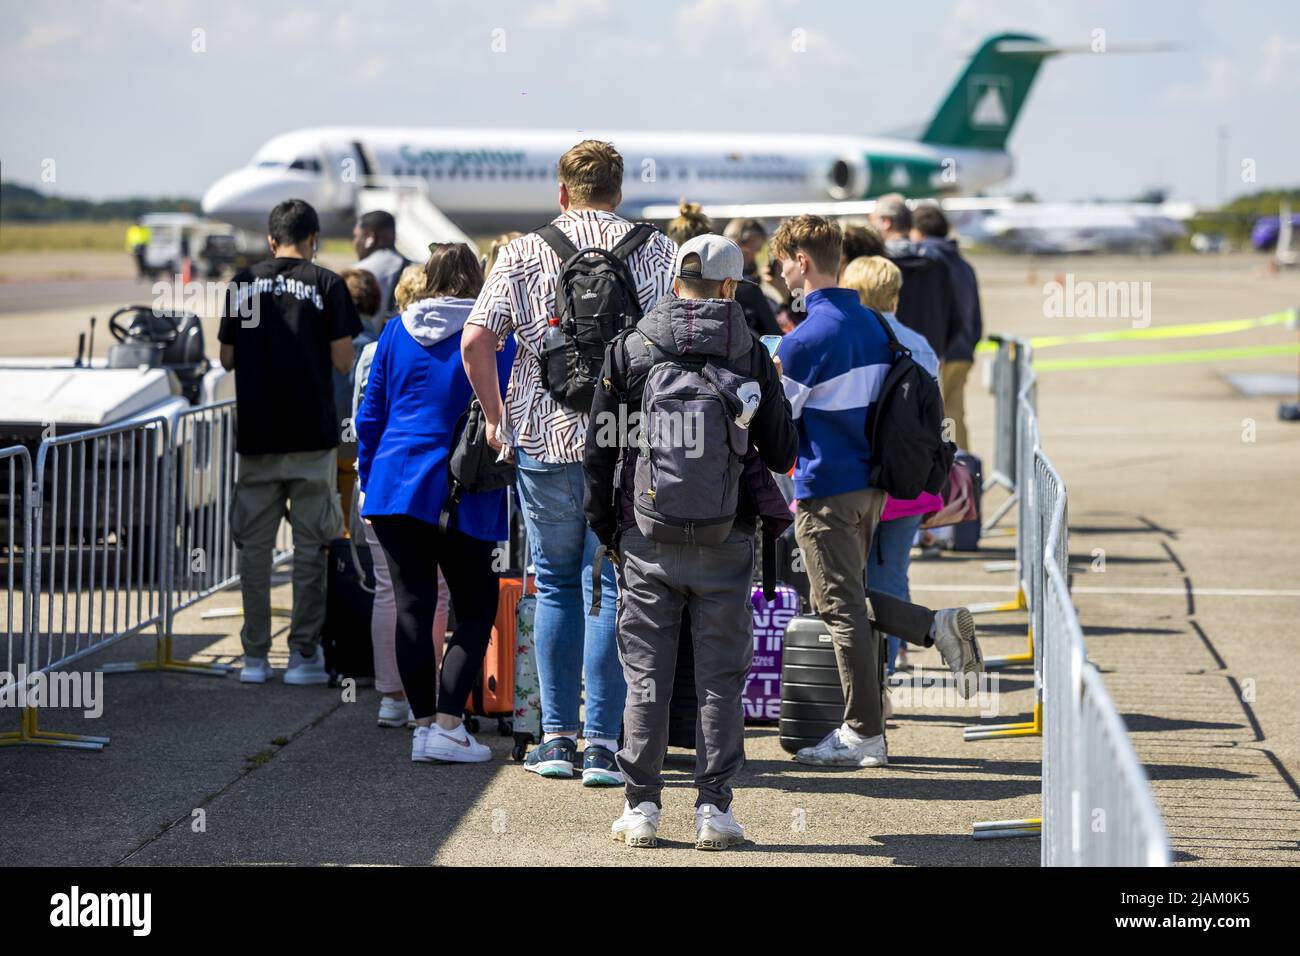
{"x":311,"y":165}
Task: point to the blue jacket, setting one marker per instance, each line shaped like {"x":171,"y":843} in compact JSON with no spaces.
{"x":833,"y":365}
{"x":416,"y":393}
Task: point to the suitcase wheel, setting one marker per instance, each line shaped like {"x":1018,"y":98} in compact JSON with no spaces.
{"x":471,"y":724}
{"x":505,"y":727}
{"x":520,"y":750}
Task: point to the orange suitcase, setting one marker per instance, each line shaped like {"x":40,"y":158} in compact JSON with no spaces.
{"x":494,"y":694}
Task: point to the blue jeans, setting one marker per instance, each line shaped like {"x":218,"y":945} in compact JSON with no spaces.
{"x":569,"y":642}
{"x":893,"y":542}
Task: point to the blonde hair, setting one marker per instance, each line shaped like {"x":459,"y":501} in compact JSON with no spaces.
{"x":593,"y":173}
{"x":817,"y":238}
{"x":412,"y":286}
{"x":690,"y":222}
{"x":876,"y":280}
{"x":494,"y":250}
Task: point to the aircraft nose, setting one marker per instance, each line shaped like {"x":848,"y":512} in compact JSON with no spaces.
{"x":245,"y":197}
{"x":224,"y":196}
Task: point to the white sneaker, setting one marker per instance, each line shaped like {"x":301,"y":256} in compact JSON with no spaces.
{"x":715,"y":830}
{"x":307,"y":670}
{"x":454,"y":746}
{"x":410,"y":717}
{"x":418,"y":739}
{"x":256,"y":670}
{"x":393,"y":712}
{"x":637,"y":826}
{"x":954,"y":636}
{"x":843,"y":748}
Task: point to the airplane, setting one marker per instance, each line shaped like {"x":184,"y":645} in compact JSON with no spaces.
{"x":446,"y":183}
{"x":1079,"y":228}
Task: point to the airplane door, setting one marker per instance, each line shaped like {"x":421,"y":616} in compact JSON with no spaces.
{"x":346,"y":170}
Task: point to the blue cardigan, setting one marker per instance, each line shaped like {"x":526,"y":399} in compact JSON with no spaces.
{"x":413,"y":400}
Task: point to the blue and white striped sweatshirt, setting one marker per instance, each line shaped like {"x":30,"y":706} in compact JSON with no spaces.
{"x":833,"y":365}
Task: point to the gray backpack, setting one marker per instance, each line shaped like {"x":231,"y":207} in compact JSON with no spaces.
{"x":689,"y":446}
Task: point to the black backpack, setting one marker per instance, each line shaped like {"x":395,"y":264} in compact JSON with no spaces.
{"x":905,"y":428}
{"x":595,"y":300}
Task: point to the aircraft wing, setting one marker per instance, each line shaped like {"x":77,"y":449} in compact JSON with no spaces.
{"x":847,"y":207}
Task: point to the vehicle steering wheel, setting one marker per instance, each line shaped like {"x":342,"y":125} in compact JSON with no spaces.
{"x":123,"y":332}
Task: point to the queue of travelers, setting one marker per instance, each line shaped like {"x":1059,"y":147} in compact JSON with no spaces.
{"x":366,"y":376}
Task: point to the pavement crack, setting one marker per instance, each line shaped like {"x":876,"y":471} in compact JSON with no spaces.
{"x":251,"y":766}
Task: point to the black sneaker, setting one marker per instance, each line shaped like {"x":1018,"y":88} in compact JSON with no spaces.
{"x":555,"y":758}
{"x":599,"y":768}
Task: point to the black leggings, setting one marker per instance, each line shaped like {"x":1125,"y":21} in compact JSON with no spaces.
{"x":416,"y":550}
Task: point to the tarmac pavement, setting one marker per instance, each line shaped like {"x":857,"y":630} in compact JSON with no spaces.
{"x":1184,"y":557}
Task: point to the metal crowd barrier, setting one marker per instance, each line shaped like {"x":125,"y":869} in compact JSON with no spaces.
{"x":1097,"y":805}
{"x":16,"y":472}
{"x":118,"y":530}
{"x":95,"y":574}
{"x":1115,"y":821}
{"x":195,"y":542}
{"x":1014,"y":439}
{"x":1006,"y":388}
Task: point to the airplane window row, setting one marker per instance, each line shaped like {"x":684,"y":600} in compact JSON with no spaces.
{"x":753,"y":175}
{"x":478,"y":172}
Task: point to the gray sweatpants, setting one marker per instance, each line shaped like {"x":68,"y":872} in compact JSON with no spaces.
{"x":656,"y":581}
{"x":303,"y":483}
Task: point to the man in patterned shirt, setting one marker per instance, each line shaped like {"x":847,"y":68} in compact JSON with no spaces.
{"x":547,"y":441}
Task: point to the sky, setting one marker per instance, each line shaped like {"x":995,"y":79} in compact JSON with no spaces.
{"x":136,"y":97}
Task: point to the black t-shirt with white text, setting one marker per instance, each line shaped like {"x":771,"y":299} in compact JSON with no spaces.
{"x":281,"y":316}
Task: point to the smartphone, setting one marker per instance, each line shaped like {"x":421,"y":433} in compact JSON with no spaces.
{"x":771,"y":341}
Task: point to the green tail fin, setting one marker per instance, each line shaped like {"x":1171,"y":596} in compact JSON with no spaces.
{"x":982,"y":106}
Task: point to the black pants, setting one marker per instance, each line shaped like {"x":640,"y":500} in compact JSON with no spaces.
{"x":905,"y":620}
{"x":416,"y":550}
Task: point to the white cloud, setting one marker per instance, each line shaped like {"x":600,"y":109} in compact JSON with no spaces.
{"x":1279,"y":67}
{"x":1217,"y":85}
{"x":563,"y":13}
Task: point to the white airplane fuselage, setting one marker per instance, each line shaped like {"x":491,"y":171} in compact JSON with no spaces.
{"x":489,"y":180}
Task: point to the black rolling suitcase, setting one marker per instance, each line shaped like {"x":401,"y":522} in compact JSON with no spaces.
{"x":812,"y":701}
{"x":349,"y":600}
